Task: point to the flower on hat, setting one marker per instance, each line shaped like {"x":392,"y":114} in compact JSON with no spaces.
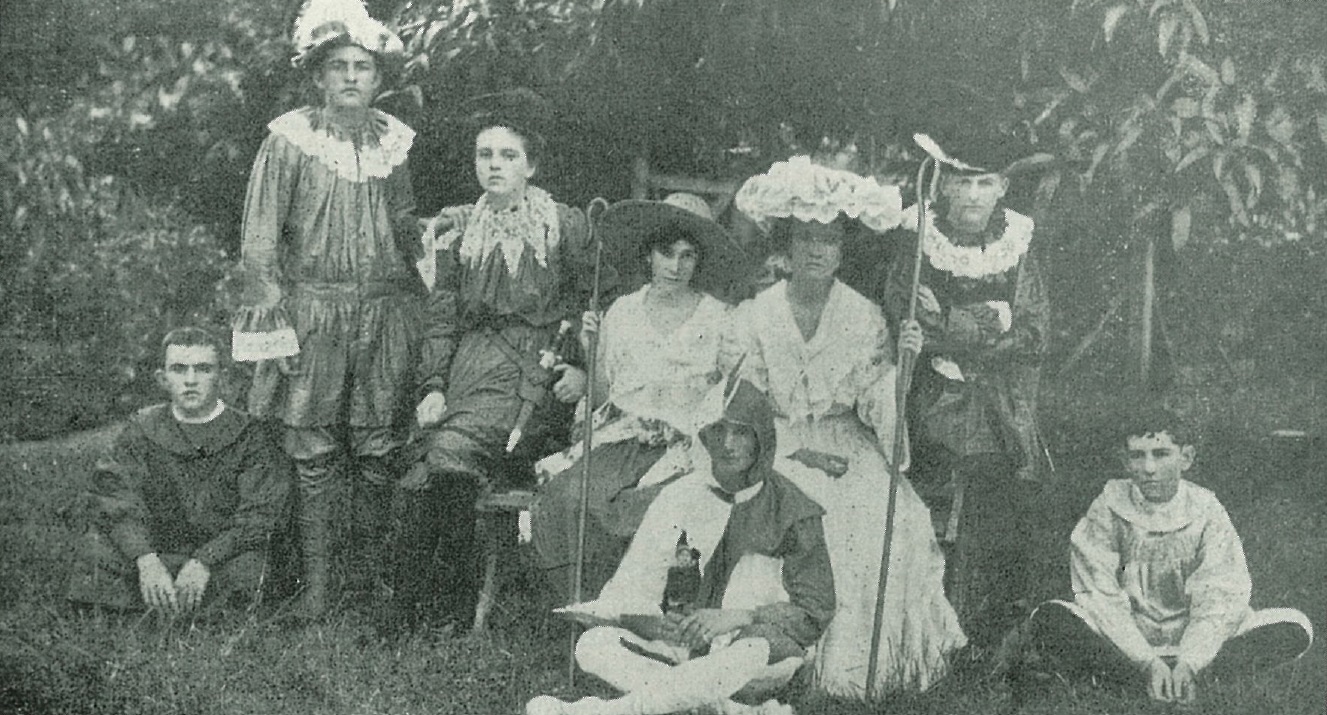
{"x":322,"y":21}
{"x":800,"y":189}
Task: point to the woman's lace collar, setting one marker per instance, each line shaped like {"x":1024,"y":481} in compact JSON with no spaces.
{"x":533,"y":224}
{"x":994,"y":258}
{"x":371,"y":150}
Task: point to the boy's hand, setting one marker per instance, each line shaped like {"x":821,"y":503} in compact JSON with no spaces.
{"x":670,"y":629}
{"x":190,"y":583}
{"x":155,"y":584}
{"x":1161,"y":683}
{"x":1185,"y":686}
{"x":911,"y":337}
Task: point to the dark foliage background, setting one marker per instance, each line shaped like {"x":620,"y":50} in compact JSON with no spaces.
{"x":1195,"y":126}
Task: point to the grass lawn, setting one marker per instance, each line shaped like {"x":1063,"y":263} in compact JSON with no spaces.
{"x":54,"y":660}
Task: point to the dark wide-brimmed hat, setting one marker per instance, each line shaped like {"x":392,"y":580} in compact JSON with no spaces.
{"x":626,"y":225}
{"x":977,"y":151}
{"x":521,"y":109}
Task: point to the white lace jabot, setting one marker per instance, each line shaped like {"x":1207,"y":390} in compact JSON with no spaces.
{"x":532,"y":224}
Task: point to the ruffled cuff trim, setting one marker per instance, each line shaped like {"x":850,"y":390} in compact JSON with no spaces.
{"x":262,"y":334}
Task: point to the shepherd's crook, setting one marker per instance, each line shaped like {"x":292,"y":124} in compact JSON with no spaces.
{"x":903,"y":383}
{"x":592,"y":212}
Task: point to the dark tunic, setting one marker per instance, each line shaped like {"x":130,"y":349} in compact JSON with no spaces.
{"x":992,"y":410}
{"x":781,"y":522}
{"x":211,"y":491}
{"x":486,"y":326}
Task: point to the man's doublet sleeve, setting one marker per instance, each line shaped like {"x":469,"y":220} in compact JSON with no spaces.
{"x":266,"y":206}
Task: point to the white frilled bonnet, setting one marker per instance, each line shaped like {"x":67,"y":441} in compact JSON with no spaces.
{"x":322,"y":21}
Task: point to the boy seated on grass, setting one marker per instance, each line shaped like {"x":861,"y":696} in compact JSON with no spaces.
{"x":182,"y":508}
{"x":1160,"y":583}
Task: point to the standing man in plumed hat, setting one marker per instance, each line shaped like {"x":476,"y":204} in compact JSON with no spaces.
{"x":329,"y":296}
{"x":983,"y":308}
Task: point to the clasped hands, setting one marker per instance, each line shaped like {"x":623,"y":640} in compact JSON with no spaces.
{"x":995,"y":316}
{"x":698,"y":628}
{"x":159,"y":590}
{"x":1171,"y":685}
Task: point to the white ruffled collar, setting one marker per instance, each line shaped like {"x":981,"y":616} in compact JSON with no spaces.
{"x":974,"y":261}
{"x":1127,"y":501}
{"x":371,"y":151}
{"x":533,"y":223}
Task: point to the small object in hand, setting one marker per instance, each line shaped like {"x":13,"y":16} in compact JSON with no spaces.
{"x":683,"y":585}
{"x":553,"y":354}
{"x":831,"y":464}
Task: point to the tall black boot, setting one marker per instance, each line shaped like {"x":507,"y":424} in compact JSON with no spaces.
{"x":372,"y":525}
{"x":314,"y":516}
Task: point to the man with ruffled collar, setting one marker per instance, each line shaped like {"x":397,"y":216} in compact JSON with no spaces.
{"x":328,"y":294}
{"x":183,"y":507}
{"x":984,"y":311}
{"x":1161,"y":587}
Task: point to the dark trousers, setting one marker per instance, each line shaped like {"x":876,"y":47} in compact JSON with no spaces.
{"x":1068,"y":645}
{"x":988,"y":574}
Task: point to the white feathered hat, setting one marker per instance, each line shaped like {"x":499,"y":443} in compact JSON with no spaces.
{"x":802,"y":189}
{"x":322,"y":21}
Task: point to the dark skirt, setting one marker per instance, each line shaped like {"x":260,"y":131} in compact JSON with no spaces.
{"x":615,"y":509}
{"x":492,"y":374}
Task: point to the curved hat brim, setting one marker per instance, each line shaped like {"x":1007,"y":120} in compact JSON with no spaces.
{"x":624,"y":227}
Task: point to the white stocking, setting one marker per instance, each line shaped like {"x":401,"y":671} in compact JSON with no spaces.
{"x":654,"y":688}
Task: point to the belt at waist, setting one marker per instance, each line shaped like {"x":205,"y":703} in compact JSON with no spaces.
{"x":362,"y":290}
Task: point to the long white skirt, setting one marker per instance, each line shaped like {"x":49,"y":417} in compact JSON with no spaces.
{"x":920,"y":627}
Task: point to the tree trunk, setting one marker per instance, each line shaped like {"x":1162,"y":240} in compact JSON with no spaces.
{"x":1147,"y":310}
{"x":1144,"y":238}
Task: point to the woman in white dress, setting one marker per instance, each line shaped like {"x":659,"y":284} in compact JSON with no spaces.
{"x":823,"y":354}
{"x":657,"y":359}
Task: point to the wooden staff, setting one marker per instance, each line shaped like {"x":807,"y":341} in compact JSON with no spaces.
{"x":903,"y":383}
{"x":592,"y":212}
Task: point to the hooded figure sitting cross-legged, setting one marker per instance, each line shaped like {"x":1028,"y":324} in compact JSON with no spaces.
{"x":765,"y":593}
